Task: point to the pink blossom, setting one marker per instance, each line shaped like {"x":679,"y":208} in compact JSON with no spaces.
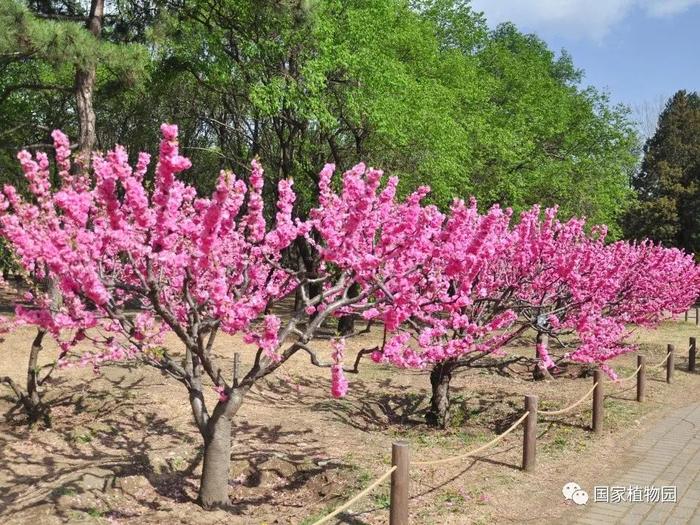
{"x":339,"y":384}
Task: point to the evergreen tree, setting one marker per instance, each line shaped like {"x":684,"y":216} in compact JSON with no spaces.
{"x":52,"y":59}
{"x":668,"y":183}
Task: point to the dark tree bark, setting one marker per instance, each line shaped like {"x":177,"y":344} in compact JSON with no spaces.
{"x":84,"y":91}
{"x":35,"y":406}
{"x":346,"y":324}
{"x":440,"y":377}
{"x":310,"y":260}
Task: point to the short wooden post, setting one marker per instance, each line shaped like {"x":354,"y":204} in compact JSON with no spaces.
{"x":669,"y":363}
{"x":641,"y":377}
{"x":686,"y":316}
{"x":697,"y":319}
{"x":692,"y":350}
{"x":398,"y":512}
{"x":236,"y":368}
{"x":598,"y":401}
{"x":530,"y":435}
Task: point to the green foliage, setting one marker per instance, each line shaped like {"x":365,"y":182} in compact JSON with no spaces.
{"x":668,"y":183}
{"x":421,"y":88}
{"x":38,"y":60}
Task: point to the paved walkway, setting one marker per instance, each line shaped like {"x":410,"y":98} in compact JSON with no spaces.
{"x":669,"y":456}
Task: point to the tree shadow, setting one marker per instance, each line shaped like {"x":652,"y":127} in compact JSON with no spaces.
{"x":108,"y":436}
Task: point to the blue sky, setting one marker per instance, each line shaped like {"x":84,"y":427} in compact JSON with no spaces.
{"x":641,"y":51}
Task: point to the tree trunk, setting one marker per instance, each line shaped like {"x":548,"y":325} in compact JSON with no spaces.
{"x":214,"y":487}
{"x":440,"y":377}
{"x":346,"y":324}
{"x":35,"y":406}
{"x":84,"y":89}
{"x":31,"y":398}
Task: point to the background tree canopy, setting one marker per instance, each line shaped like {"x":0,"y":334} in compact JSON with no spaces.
{"x":668,"y":183}
{"x":420,"y":88}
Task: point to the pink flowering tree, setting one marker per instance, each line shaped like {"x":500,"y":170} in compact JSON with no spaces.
{"x":43,"y":297}
{"x":577,"y":284}
{"x":200,"y":266}
{"x":486,"y":281}
{"x":452,"y":312}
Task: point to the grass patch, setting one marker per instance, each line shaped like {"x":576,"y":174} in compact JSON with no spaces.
{"x":63,"y":491}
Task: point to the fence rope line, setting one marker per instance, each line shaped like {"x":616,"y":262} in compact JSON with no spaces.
{"x":476,"y":450}
{"x":668,"y":354}
{"x":358,"y":496}
{"x":570,"y":407}
{"x":625,"y":379}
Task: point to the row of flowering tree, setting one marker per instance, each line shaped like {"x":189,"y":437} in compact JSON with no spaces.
{"x":444,"y":286}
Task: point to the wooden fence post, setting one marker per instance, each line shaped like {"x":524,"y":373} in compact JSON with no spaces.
{"x":692,"y":350}
{"x":697,"y":319}
{"x":598,"y":401}
{"x":641,"y":377}
{"x":530,"y":435}
{"x":669,"y":363}
{"x":398,"y":512}
{"x":686,"y":316}
{"x":236,"y":368}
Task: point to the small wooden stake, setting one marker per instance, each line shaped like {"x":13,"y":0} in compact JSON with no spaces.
{"x":669,"y":363}
{"x":398,"y":512}
{"x":598,"y":402}
{"x":692,"y":350}
{"x":530,"y":435}
{"x":641,"y":377}
{"x":236,"y":367}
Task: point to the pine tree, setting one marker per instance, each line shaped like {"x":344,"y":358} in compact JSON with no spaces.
{"x":52,"y":58}
{"x":668,"y":182}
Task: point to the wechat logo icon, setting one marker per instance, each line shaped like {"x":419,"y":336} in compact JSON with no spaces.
{"x":572,"y":491}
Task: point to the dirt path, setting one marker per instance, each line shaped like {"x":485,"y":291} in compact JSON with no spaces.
{"x":123,"y":449}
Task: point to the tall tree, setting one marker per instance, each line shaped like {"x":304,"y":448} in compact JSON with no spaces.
{"x":85,"y":87}
{"x":52,"y":61}
{"x":668,"y":183}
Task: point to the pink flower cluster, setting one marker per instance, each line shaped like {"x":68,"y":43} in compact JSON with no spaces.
{"x":443,"y":284}
{"x":112,"y":242}
{"x":339,"y":384}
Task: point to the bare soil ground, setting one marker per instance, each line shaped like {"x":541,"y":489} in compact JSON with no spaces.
{"x":123,"y":448}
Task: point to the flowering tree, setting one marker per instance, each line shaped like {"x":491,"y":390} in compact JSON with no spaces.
{"x":200,"y":266}
{"x":577,"y":284}
{"x":44,"y":295}
{"x":487,"y":281}
{"x":452,"y":312}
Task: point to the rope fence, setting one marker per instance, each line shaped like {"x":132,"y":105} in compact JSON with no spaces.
{"x":357,"y":497}
{"x":570,"y":407}
{"x":662,"y":363}
{"x":399,"y":471}
{"x":476,"y":450}
{"x":625,"y":379}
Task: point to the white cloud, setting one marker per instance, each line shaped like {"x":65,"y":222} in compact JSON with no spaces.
{"x":591,"y":19}
{"x":669,"y":7}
